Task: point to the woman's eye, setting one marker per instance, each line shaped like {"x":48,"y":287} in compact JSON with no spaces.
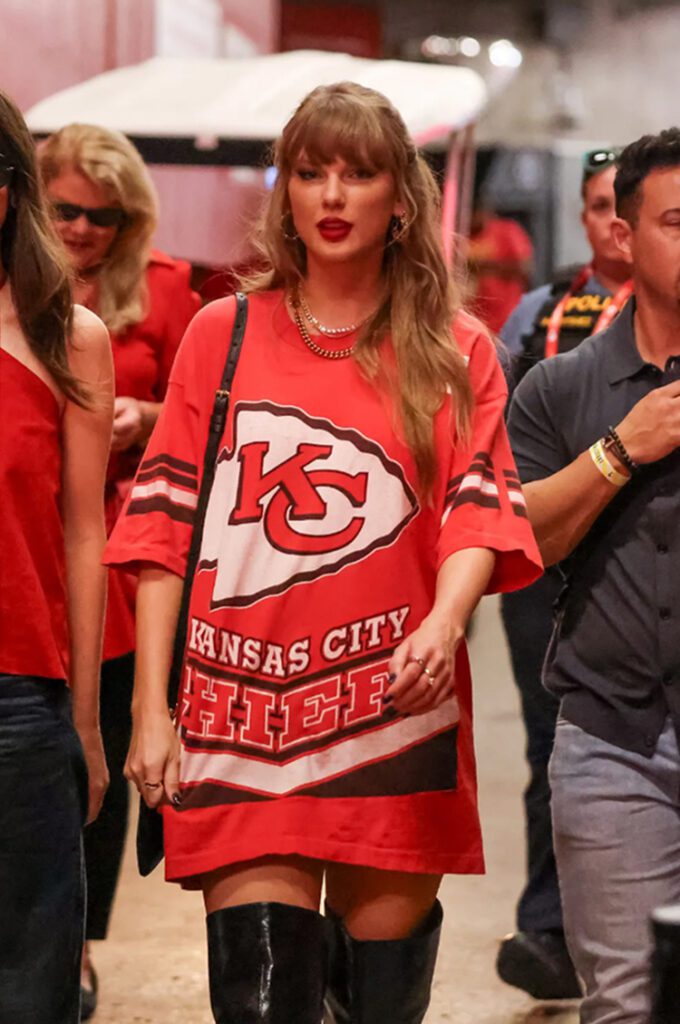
{"x":306,"y":173}
{"x":362,"y":172}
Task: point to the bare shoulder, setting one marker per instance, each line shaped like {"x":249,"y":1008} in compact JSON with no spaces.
{"x":90,"y":355}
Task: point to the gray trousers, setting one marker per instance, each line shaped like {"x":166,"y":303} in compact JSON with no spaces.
{"x":616,"y":821}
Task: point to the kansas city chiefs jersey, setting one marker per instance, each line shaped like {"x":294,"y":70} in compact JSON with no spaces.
{"x":318,"y":557}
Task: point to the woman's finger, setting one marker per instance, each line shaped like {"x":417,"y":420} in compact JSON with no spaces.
{"x":171,"y":781}
{"x":405,"y":679}
{"x":426,"y":691}
{"x":399,"y":659}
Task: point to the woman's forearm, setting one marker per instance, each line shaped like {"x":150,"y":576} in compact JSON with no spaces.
{"x":86,"y":592}
{"x":158,"y":600}
{"x":461,"y":582}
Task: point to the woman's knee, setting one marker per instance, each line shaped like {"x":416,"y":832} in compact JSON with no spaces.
{"x":380,"y":905}
{"x":293,"y":880}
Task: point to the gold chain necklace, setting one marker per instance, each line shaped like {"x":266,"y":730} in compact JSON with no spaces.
{"x":330,"y":332}
{"x":325,"y":353}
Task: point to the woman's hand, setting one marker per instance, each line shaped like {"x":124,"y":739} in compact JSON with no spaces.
{"x":153,"y":760}
{"x":128,"y":423}
{"x":97,"y":771}
{"x":422,"y":668}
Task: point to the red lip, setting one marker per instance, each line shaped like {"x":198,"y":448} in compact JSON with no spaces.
{"x":333,"y":229}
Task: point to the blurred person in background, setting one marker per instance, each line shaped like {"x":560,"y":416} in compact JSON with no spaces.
{"x":500,"y":260}
{"x":56,"y":381}
{"x":555,"y":317}
{"x":353,"y":523}
{"x":104,"y":208}
{"x":596,"y":435}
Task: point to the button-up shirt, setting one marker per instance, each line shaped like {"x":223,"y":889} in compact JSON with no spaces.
{"x":614,"y":658}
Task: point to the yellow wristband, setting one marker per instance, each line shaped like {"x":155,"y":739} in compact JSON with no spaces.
{"x":599,"y":457}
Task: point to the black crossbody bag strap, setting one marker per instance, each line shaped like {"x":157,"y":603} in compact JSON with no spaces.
{"x":150,"y":822}
{"x":218,"y":420}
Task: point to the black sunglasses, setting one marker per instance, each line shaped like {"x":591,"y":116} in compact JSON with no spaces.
{"x":98,"y":216}
{"x":5,"y":174}
{"x":597,"y":160}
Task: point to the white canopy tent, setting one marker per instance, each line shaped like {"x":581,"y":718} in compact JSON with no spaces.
{"x":225,"y":113}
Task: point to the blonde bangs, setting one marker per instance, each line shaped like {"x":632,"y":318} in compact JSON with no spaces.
{"x":339,"y":127}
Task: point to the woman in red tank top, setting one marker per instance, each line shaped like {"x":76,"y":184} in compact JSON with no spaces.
{"x":56,"y":383}
{"x":104,"y":207}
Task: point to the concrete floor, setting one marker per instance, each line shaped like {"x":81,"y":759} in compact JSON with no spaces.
{"x":152,"y":969}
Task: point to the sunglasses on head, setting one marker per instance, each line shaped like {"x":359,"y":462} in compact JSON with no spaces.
{"x":98,"y":216}
{"x":5,"y":174}
{"x":597,"y":160}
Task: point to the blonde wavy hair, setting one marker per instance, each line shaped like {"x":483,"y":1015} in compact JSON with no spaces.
{"x":110,"y":160}
{"x":422,"y":298}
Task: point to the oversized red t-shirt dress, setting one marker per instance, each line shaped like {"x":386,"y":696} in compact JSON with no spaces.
{"x":318,"y":558}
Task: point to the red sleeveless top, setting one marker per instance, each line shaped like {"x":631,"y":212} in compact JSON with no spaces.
{"x":33,"y":620}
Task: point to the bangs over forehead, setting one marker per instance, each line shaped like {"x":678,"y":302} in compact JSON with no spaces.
{"x":339,"y":125}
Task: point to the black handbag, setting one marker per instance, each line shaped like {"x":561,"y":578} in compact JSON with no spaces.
{"x":150,"y":823}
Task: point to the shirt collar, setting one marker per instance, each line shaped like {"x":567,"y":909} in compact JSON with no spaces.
{"x":622,"y":357}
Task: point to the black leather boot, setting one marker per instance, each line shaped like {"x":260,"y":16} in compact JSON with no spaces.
{"x":376,"y":982}
{"x":267,"y":964}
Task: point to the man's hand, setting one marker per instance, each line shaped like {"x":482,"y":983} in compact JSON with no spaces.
{"x":651,"y":430}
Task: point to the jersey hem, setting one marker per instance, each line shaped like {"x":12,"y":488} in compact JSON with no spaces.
{"x":185,"y":870}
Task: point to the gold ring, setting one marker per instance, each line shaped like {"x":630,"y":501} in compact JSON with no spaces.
{"x":153,"y":785}
{"x":425,"y":669}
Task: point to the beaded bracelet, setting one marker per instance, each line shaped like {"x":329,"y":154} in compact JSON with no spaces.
{"x":613,"y":441}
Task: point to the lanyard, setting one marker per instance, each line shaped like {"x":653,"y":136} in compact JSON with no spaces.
{"x":614,"y":306}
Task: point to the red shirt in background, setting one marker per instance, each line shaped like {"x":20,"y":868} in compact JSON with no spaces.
{"x":495,"y":296}
{"x":142,"y":359}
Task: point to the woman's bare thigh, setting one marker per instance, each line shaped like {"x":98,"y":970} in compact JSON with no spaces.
{"x":377,"y":904}
{"x":294,"y":880}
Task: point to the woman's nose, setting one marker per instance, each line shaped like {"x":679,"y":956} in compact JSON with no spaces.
{"x":333,"y":193}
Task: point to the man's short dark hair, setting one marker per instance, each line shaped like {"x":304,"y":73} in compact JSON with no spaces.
{"x":650,"y":153}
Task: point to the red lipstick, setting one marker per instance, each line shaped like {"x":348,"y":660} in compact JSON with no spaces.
{"x":334,"y":229}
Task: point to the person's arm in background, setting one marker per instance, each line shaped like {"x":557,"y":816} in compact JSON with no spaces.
{"x":565,"y":495}
{"x":86,"y":441}
{"x":135,"y":419}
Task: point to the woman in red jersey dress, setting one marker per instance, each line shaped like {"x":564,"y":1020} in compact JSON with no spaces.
{"x":364,"y":499}
{"x":105,"y":211}
{"x":56,"y":382}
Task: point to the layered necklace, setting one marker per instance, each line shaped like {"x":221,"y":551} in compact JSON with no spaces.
{"x":303,"y":315}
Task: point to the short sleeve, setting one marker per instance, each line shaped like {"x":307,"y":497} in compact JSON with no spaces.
{"x":536,"y":443}
{"x":484,"y":505}
{"x":157,"y":519}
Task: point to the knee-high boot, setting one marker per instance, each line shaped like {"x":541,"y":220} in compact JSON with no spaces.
{"x":374,"y":982}
{"x":267,"y":964}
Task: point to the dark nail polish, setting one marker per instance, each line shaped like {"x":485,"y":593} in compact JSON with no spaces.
{"x":391,"y":677}
{"x":177,"y":799}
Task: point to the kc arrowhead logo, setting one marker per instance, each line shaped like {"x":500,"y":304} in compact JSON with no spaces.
{"x":295,"y":499}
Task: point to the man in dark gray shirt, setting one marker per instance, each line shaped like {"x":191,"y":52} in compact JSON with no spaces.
{"x":605,"y":503}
